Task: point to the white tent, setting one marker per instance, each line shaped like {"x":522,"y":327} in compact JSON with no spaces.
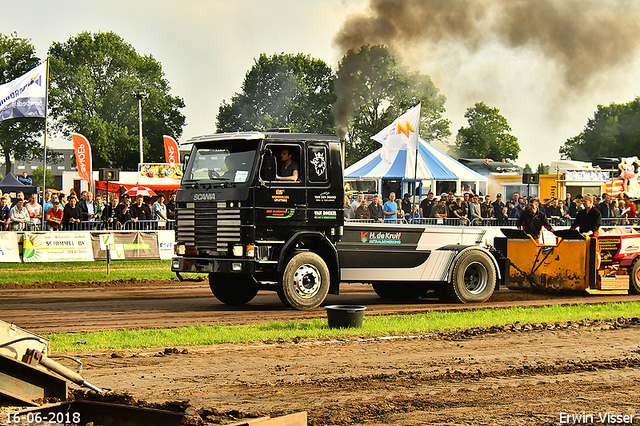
{"x":433,"y":166}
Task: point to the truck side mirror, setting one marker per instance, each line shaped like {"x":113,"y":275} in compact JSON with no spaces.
{"x":269,"y":167}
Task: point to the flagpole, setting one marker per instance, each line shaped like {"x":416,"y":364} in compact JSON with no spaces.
{"x":415,"y":174}
{"x":44,"y":152}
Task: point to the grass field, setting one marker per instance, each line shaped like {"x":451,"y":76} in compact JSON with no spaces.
{"x":26,"y":273}
{"x":417,"y":324}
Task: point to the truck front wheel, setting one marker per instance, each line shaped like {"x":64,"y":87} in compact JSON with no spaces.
{"x":634,"y":279}
{"x":305,"y":281}
{"x":473,"y":278}
{"x":232,"y":289}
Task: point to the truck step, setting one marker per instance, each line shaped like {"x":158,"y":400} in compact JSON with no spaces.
{"x":595,"y":291}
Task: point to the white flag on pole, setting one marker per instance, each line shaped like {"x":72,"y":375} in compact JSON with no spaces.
{"x":400,"y":135}
{"x":24,"y":96}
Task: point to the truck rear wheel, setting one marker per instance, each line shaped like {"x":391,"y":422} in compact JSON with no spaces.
{"x":305,"y":281}
{"x":233,"y":289}
{"x":399,"y":290}
{"x":473,"y":278}
{"x":634,"y":278}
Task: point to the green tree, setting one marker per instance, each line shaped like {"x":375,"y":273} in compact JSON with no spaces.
{"x":36,"y":178}
{"x":542,"y":169}
{"x":93,"y":81}
{"x":284,"y":90}
{"x":19,"y":137}
{"x":487,"y":135}
{"x":614,"y":131}
{"x":374,"y":88}
{"x":527,"y":169}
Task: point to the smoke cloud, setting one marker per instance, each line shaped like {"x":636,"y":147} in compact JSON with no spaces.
{"x":581,"y":38}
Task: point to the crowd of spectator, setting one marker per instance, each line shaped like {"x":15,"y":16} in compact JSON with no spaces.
{"x":473,"y":209}
{"x":71,"y":212}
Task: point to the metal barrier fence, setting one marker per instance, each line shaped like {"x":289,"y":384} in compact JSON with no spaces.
{"x":155,"y":225}
{"x":140,"y":225}
{"x":554,"y":221}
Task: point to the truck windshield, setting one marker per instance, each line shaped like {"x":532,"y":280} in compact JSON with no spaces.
{"x":230,"y":161}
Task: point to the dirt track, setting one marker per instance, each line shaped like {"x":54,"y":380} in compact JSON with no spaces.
{"x":503,"y":376}
{"x":54,"y":308}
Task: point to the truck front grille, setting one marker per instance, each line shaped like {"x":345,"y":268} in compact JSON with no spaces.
{"x":210,"y":227}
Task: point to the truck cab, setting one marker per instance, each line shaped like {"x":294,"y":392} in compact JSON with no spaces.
{"x":242,"y":221}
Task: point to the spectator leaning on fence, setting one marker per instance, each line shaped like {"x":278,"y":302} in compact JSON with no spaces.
{"x":91,"y":210}
{"x":171,"y":207}
{"x":158,"y":209}
{"x":630,"y":207}
{"x":54,"y":216}
{"x":124,"y":209}
{"x":110,"y":214}
{"x":357,"y":201}
{"x":362,"y":212}
{"x":348,"y":211}
{"x":35,"y":210}
{"x":390,"y":208}
{"x":554,"y":211}
{"x":72,"y":215}
{"x":375,"y":209}
{"x":426,"y":205}
{"x":4,"y":214}
{"x":458,"y":211}
{"x":406,"y":206}
{"x":140,"y":211}
{"x":605,"y":207}
{"x":486,"y":208}
{"x":515,"y":198}
{"x":19,"y":216}
{"x":474,"y":209}
{"x":439,"y":211}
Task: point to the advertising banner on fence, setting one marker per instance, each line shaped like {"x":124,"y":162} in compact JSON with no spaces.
{"x":166,"y":243}
{"x":125,"y":246}
{"x":56,"y":247}
{"x":9,"y":247}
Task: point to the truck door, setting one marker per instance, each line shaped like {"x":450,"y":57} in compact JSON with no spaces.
{"x":281,"y":203}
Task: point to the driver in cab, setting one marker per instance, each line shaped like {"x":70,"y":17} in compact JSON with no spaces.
{"x":288,"y":168}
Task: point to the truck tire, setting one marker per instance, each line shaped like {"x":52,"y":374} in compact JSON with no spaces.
{"x":399,"y":290}
{"x":634,"y":277}
{"x":305,"y":281}
{"x":473,"y":278}
{"x":233,"y":289}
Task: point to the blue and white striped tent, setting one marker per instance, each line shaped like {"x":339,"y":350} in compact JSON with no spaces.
{"x":433,"y":166}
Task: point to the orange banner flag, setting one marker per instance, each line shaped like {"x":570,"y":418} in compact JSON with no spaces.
{"x":83,"y":156}
{"x":171,"y":151}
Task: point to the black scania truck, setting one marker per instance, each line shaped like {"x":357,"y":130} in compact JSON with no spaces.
{"x":249,"y":229}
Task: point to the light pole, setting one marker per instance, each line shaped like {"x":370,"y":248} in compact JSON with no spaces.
{"x":140,"y":95}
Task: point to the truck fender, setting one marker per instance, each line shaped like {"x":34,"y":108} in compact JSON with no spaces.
{"x":460,"y":250}
{"x":322,"y":246}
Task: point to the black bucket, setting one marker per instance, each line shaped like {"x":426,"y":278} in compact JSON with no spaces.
{"x":345,"y":316}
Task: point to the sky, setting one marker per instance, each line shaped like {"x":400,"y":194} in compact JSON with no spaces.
{"x":546,"y":73}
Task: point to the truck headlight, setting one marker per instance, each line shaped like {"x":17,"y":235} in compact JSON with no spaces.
{"x":237,"y":251}
{"x":250,"y":250}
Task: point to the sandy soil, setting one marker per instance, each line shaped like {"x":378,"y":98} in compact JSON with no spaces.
{"x":504,"y":376}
